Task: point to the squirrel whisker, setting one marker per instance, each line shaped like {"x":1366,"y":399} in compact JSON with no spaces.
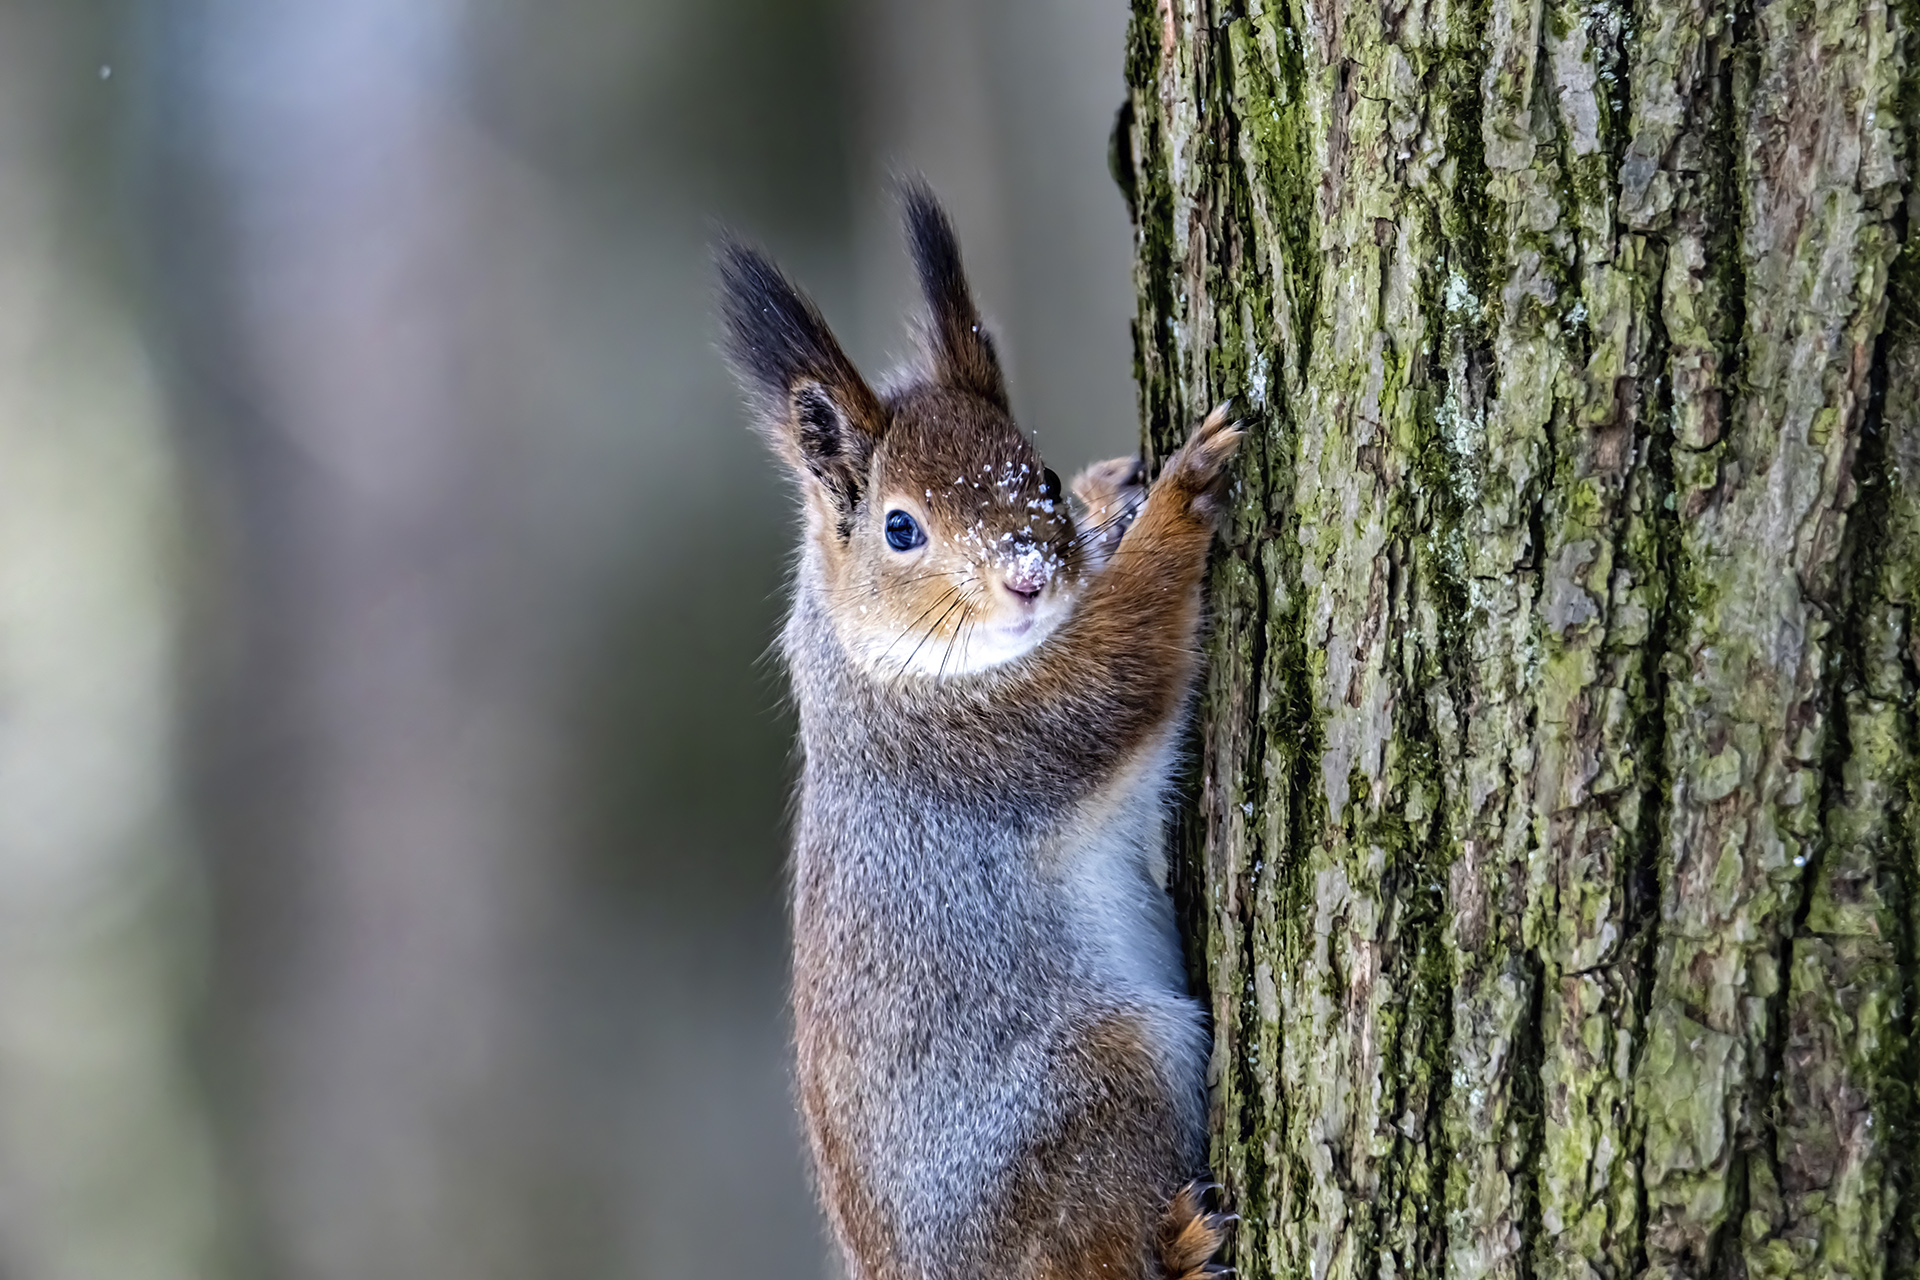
{"x":945,"y":596}
{"x":875,"y":588}
{"x":966,"y":625}
{"x":1094,"y":532}
{"x":959,"y":603}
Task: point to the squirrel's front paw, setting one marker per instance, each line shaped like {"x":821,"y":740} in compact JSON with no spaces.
{"x":1199,"y":470}
{"x":1109,"y":495}
{"x":1191,"y":1234}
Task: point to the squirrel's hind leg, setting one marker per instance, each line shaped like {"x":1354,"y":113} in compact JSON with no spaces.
{"x":1191,"y":1235}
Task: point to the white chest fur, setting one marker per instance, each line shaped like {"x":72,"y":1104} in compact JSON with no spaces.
{"x":1112,"y":874}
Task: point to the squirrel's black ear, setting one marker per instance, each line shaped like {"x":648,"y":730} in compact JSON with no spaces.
{"x":815,"y":407}
{"x":961,"y":351}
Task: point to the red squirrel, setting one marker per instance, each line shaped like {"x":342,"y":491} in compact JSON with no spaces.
{"x":1001,"y":1071}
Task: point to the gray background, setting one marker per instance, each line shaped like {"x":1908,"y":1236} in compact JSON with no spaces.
{"x":391,"y":772}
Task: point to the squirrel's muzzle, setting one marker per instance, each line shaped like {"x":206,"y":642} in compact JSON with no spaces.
{"x":1027,"y":574}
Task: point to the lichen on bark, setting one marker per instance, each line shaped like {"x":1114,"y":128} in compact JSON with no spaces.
{"x":1551,"y":864}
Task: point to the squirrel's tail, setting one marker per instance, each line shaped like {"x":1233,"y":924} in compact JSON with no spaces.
{"x":1191,"y":1234}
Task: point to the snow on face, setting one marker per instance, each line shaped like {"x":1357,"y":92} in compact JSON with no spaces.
{"x":1008,"y":549}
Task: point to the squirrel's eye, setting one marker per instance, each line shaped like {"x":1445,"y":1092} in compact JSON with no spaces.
{"x":903,"y":534}
{"x":1049,"y":483}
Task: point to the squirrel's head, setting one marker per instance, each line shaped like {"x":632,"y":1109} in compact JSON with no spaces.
{"x":944,"y":545}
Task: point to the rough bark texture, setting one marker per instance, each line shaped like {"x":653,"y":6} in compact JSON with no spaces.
{"x":1555,"y":845}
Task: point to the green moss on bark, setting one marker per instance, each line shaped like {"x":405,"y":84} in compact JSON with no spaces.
{"x":1524,"y":694}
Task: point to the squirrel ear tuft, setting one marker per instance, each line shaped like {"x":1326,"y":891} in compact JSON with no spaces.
{"x":958,"y":344}
{"x":813,"y":404}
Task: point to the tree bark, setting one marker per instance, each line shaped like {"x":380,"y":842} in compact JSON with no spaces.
{"x":1554,"y":846}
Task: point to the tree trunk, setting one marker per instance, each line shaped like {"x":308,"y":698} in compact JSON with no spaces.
{"x":108,"y":1164}
{"x":1555,"y":840}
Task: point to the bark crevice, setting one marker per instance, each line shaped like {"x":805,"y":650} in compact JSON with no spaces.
{"x":1650,"y":866}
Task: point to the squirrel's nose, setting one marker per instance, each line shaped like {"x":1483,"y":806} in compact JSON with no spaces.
{"x":1027,"y":575}
{"x":1024,"y":586}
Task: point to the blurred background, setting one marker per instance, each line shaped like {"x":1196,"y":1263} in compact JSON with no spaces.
{"x":392,"y":777}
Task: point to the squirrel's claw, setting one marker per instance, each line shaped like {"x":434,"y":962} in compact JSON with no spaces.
{"x":1199,"y":468}
{"x":1191,"y":1234}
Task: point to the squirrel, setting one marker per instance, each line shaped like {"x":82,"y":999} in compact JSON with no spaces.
{"x":1000,"y":1068}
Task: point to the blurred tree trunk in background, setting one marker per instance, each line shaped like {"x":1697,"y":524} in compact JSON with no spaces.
{"x":382,"y":806}
{"x":107,"y":1168}
{"x":1555,"y":866}
{"x":491,"y":784}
